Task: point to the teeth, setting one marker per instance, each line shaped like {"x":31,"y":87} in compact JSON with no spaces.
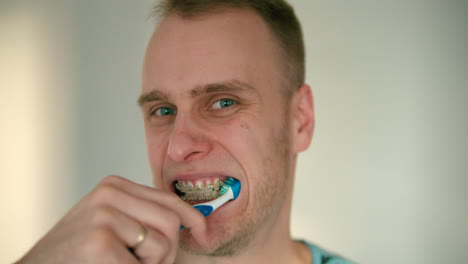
{"x":189,"y":185}
{"x":210,"y":189}
{"x":200,"y":196}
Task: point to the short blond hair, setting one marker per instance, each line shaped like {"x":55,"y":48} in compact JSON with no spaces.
{"x":277,"y":14}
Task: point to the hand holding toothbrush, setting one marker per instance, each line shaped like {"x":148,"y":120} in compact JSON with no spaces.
{"x":120,"y":222}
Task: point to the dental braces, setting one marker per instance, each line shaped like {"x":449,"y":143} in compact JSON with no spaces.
{"x":200,"y":197}
{"x":200,"y":192}
{"x":199,"y":187}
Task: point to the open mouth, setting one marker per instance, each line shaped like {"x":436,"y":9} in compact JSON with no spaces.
{"x":199,"y":190}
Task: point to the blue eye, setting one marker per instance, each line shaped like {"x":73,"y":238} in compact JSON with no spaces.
{"x":165,"y":111}
{"x":223,"y":103}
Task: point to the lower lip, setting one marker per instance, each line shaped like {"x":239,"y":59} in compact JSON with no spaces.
{"x":198,"y":202}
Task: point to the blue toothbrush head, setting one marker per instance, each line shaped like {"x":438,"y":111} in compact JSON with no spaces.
{"x":232,"y":184}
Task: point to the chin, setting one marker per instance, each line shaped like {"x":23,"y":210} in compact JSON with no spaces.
{"x":218,"y":234}
{"x":191,"y":246}
{"x":226,"y":238}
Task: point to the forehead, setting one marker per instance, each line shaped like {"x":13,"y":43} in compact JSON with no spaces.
{"x":187,"y":52}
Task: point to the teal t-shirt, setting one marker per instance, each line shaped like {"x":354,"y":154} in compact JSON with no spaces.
{"x":320,"y":256}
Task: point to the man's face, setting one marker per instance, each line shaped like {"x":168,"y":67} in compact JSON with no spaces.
{"x":213,"y":108}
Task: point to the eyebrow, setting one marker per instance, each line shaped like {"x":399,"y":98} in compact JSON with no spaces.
{"x":228,"y":86}
{"x":151,"y":97}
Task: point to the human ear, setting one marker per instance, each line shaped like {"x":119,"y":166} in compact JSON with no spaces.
{"x":303,"y":118}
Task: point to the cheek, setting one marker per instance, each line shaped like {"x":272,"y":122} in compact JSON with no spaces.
{"x":237,"y":136}
{"x":245,"y":141}
{"x":242,"y":135}
{"x":243,"y":125}
{"x":156,"y":148}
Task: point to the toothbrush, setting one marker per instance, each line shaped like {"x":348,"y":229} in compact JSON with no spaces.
{"x":230,"y":191}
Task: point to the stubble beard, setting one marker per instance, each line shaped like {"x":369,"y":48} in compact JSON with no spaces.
{"x":268,"y":200}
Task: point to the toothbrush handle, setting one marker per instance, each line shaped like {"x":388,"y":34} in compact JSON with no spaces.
{"x":204,"y":209}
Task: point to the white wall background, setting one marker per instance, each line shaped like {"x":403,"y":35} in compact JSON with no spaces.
{"x":385,"y":180}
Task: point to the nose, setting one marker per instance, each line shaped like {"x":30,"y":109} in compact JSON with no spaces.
{"x":187,"y":141}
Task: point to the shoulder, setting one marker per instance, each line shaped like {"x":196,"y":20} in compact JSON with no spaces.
{"x":321,"y":256}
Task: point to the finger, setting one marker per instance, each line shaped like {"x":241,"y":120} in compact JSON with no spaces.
{"x":156,"y":248}
{"x":126,"y":229}
{"x":155,"y":216}
{"x":151,"y":214}
{"x":145,"y":243}
{"x":190,"y":217}
{"x":104,"y":246}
